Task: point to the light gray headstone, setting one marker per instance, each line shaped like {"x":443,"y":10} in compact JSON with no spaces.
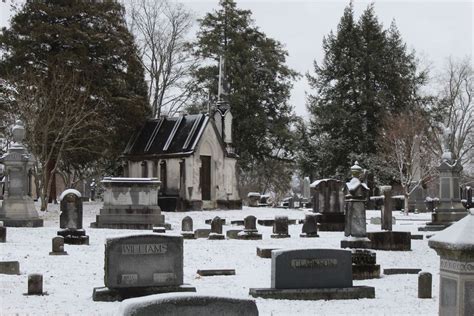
{"x":187,"y":224}
{"x":424,"y":284}
{"x":71,"y":209}
{"x":143,"y":261}
{"x":311,"y":268}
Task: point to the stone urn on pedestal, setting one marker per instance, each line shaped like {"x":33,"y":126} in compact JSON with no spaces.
{"x":18,"y":209}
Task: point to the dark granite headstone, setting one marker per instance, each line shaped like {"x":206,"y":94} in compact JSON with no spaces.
{"x":71,"y":210}
{"x":311,"y":268}
{"x":424,"y":284}
{"x":9,"y":267}
{"x":250,"y":223}
{"x":280,"y":227}
{"x":58,"y":246}
{"x":35,"y":284}
{"x":143,"y":261}
{"x":216,"y":225}
{"x":310,"y":226}
{"x":187,"y":224}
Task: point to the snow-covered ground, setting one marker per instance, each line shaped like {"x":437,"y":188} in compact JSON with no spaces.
{"x":69,"y":280}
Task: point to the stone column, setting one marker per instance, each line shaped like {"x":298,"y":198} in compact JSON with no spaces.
{"x":455,"y":246}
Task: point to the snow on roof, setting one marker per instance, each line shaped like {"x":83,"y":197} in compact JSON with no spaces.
{"x":459,"y":236}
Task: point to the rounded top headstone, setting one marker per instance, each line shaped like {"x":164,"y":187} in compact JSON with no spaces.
{"x":18,"y":132}
{"x":69,"y":191}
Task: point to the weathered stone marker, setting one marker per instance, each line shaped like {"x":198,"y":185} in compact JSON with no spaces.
{"x":364,"y":265}
{"x":250,"y":231}
{"x":387,"y":207}
{"x":212,"y":272}
{"x":18,"y":208}
{"x":310,"y":226}
{"x":70,"y":219}
{"x":280,"y":227}
{"x":202,"y":233}
{"x":188,"y":304}
{"x":9,"y":267}
{"x":58,"y":246}
{"x":265,"y":252}
{"x":216,"y":229}
{"x":253,"y":198}
{"x":356,"y":226}
{"x":187,"y":228}
{"x":312,"y":274}
{"x":328,"y":202}
{"x":142,"y":265}
{"x":455,"y":246}
{"x":424,"y":285}
{"x":35,"y":284}
{"x":3,"y":233}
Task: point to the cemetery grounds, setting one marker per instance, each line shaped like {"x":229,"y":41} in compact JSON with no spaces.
{"x":69,"y":280}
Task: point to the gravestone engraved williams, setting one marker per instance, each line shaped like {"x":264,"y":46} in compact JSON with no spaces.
{"x":141,"y":265}
{"x":312,"y":274}
{"x":70,"y":219}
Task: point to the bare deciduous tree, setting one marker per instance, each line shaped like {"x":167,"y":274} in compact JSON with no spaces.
{"x":405,"y":143}
{"x":456,"y":107}
{"x":160,"y":29}
{"x":55,"y":113}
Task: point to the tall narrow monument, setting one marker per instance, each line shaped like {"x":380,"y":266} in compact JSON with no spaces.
{"x":18,"y":208}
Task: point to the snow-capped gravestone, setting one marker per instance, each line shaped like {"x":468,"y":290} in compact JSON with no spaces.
{"x":188,"y":304}
{"x":250,"y":231}
{"x":130,"y":203}
{"x":58,"y":246}
{"x":253,"y":198}
{"x":70,"y":219}
{"x":187,"y":228}
{"x":455,"y":246}
{"x":18,"y":208}
{"x":328,"y":202}
{"x":312,"y":274}
{"x":142,"y":265}
{"x":356,"y":225}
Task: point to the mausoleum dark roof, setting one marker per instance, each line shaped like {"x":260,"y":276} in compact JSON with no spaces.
{"x":167,"y":137}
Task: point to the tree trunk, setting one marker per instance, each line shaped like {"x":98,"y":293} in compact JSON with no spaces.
{"x":407,"y":196}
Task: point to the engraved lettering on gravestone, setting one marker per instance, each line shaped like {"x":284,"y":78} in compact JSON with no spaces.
{"x":163,"y":277}
{"x":129,"y":279}
{"x":313,"y":263}
{"x":143,"y":249}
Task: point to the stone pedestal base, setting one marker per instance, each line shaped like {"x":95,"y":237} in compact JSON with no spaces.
{"x":249,"y":236}
{"x":213,"y":236}
{"x":440,"y":217}
{"x":74,"y":237}
{"x":33,"y":222}
{"x":58,"y":253}
{"x":129,"y":217}
{"x":308,"y":235}
{"x":104,"y":294}
{"x":365,"y":271}
{"x":187,"y":235}
{"x":331,"y":222}
{"x":280,"y":236}
{"x":390,"y":240}
{"x":355,"y":292}
{"x":356,"y":243}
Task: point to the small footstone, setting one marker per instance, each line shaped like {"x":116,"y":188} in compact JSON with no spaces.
{"x":158,"y":229}
{"x":212,"y":272}
{"x":202,"y":233}
{"x":9,"y":267}
{"x":58,"y":246}
{"x":35,"y":284}
{"x":424,"y":284}
{"x":401,"y":271}
{"x":233,"y":233}
{"x":265,"y":252}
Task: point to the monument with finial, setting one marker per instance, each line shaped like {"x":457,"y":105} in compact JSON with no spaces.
{"x":450,"y":209}
{"x":18,"y":208}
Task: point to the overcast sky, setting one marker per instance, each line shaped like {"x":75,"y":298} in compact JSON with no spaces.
{"x":435,"y":29}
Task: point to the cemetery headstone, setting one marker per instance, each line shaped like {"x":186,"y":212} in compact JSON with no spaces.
{"x":9,"y":267}
{"x":387,"y":208}
{"x":312,"y":274}
{"x":424,"y":285}
{"x":141,"y":265}
{"x":187,"y":228}
{"x":280,"y":227}
{"x":253,"y":198}
{"x":364,"y":265}
{"x":265,"y":252}
{"x":310,"y":226}
{"x":58,"y":246}
{"x":467,"y":197}
{"x":35,"y":284}
{"x":70,"y":219}
{"x":356,"y":226}
{"x":3,"y":233}
{"x":328,"y":203}
{"x":18,"y":208}
{"x":188,"y":304}
{"x":455,"y":246}
{"x":130,"y":203}
{"x":216,"y":229}
{"x":250,"y":231}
